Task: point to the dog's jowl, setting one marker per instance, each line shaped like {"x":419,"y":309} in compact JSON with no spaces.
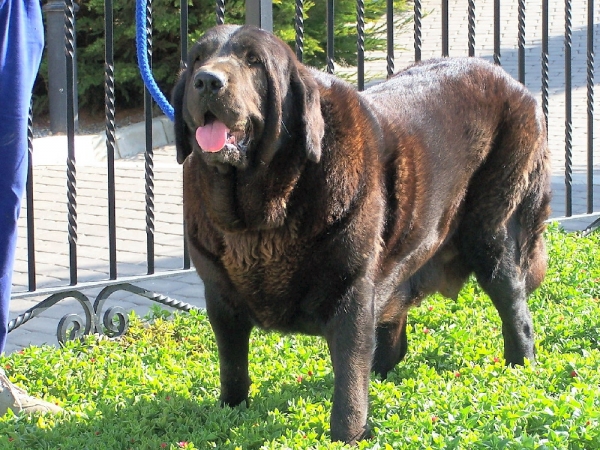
{"x":313,"y":208}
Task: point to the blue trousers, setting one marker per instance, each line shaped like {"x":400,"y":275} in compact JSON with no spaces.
{"x":21,"y":45}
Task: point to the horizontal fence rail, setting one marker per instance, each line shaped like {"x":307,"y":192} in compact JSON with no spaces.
{"x":119,"y":221}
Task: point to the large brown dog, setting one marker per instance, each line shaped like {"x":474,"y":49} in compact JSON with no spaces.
{"x":313,"y":208}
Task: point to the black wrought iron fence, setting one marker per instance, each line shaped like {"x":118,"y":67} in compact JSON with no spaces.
{"x":550,"y":50}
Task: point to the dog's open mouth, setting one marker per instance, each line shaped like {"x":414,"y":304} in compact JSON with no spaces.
{"x":215,"y":136}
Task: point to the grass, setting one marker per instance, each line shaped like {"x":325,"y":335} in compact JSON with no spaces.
{"x":158,"y":386}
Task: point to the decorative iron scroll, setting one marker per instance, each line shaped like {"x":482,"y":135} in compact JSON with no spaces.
{"x":112,"y":323}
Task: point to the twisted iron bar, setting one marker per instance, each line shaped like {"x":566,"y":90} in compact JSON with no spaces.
{"x":149,"y":154}
{"x":109,"y":106}
{"x":545,"y":60}
{"x":445,"y":29}
{"x":568,"y":115}
{"x":30,"y":140}
{"x":149,"y":196}
{"x":183,"y":32}
{"x":418,"y":29}
{"x":360,"y":43}
{"x":220,"y":12}
{"x":30,"y":206}
{"x":71,"y":171}
{"x":70,"y":29}
{"x":299,"y":26}
{"x":521,"y":40}
{"x":330,"y":65}
{"x":330,"y":37}
{"x":590,"y":107}
{"x":72,"y":209}
{"x":155,"y":297}
{"x":591,"y":227}
{"x":110,"y":131}
{"x":112,"y":322}
{"x":497,"y":56}
{"x":545,"y":86}
{"x":390,"y":37}
{"x":471,"y":27}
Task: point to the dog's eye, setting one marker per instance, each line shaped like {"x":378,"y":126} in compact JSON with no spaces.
{"x":252,"y":59}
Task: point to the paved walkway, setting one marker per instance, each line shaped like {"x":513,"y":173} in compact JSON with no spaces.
{"x":52,"y":254}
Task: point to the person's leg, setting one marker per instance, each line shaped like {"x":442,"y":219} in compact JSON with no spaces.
{"x":21,"y":44}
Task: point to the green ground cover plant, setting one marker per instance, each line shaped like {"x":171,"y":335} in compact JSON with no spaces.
{"x":157,"y":387}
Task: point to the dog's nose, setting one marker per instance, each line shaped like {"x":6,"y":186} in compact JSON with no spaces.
{"x":209,"y":82}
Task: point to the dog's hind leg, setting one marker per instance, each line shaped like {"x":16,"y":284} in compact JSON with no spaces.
{"x":494,"y":259}
{"x":501,"y":232}
{"x":509,"y":258}
{"x":391,"y":346}
{"x":520,"y":269}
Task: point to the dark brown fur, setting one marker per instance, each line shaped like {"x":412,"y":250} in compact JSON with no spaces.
{"x":347,"y":208}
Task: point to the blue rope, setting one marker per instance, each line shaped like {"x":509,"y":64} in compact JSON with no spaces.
{"x":142,"y":56}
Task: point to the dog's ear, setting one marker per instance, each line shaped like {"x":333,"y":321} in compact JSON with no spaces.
{"x":306,"y":90}
{"x":182,"y":132}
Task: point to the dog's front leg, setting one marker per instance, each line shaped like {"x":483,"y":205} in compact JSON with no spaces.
{"x":351,"y":339}
{"x":232,"y":332}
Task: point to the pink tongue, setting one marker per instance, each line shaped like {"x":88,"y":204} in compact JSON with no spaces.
{"x":212,"y":137}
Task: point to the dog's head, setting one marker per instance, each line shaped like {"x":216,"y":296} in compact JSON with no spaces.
{"x":232,"y":102}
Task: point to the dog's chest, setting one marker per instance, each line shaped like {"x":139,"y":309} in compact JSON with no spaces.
{"x":261,"y":266}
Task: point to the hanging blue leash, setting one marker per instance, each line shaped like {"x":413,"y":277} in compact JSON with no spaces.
{"x":143,"y":63}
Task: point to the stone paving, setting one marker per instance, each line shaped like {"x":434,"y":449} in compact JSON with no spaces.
{"x":51,"y":238}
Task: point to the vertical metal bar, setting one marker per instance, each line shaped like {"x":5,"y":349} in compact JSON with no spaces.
{"x":545,"y":62}
{"x":260,"y":13}
{"x":445,"y":28}
{"x":57,"y":67}
{"x":71,"y":171}
{"x":389,"y":11}
{"x":110,"y":129}
{"x":220,"y":10}
{"x":568,"y":111}
{"x":330,"y":31}
{"x":471,"y":26}
{"x":183,"y":27}
{"x":30,"y":208}
{"x":149,"y":153}
{"x":299,"y":26}
{"x":360,"y":44}
{"x":186,"y":251}
{"x":590,"y":107}
{"x":418,"y":15}
{"x":521,"y":40}
{"x":497,"y":32}
{"x":183,"y":32}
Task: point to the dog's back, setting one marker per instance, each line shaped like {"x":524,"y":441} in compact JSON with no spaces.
{"x":467,"y":180}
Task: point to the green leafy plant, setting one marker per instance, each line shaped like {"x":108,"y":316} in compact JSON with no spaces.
{"x":166,"y":53}
{"x":157,"y":312}
{"x":158,"y":386}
